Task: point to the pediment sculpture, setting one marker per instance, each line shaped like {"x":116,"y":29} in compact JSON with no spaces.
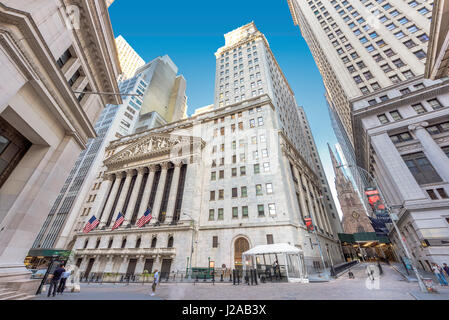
{"x":149,"y":145}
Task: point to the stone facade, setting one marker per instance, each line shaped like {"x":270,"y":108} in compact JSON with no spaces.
{"x":220,"y":181}
{"x":50,"y":51}
{"x":408,"y":135}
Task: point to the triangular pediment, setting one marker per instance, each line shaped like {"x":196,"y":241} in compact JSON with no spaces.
{"x":149,"y":146}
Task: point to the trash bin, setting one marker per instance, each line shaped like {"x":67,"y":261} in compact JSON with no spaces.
{"x":430,"y":286}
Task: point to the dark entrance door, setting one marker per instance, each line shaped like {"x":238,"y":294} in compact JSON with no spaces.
{"x":148,"y":265}
{"x":131,"y":267}
{"x":165,"y":268}
{"x":89,"y":267}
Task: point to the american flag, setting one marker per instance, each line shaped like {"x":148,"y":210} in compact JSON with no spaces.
{"x":91,"y":224}
{"x":118,"y":222}
{"x":145,"y":218}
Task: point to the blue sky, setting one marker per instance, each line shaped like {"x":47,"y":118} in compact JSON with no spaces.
{"x":191,"y":31}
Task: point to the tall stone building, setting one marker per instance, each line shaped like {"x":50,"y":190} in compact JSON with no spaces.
{"x":129,"y":59}
{"x":390,"y":120}
{"x":51,"y":54}
{"x":220,"y":182}
{"x":355,"y":218}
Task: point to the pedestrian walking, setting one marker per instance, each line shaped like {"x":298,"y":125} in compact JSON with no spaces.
{"x":63,"y":280}
{"x":55,"y":280}
{"x":438,"y":271}
{"x":370,"y":272}
{"x":155,"y":281}
{"x":446,"y":269}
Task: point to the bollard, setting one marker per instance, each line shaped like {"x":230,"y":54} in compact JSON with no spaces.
{"x":230,"y":276}
{"x":255,"y":276}
{"x":182,"y":277}
{"x":238,"y":277}
{"x":221,"y":277}
{"x":204,"y":278}
{"x":233,"y":277}
{"x":213,"y":278}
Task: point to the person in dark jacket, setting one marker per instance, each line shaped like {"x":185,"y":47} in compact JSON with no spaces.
{"x":55,"y":280}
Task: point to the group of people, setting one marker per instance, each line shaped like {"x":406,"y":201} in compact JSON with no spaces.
{"x":58,"y":280}
{"x":440,"y":273}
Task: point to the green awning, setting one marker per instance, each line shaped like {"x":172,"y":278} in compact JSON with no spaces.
{"x":48,"y":253}
{"x":362,"y":237}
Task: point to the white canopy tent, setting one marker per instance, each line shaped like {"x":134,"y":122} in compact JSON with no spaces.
{"x":293,"y":257}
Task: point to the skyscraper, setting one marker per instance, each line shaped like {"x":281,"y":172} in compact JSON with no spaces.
{"x":391,"y":122}
{"x":247,"y":68}
{"x":129,"y":59}
{"x":166,"y":92}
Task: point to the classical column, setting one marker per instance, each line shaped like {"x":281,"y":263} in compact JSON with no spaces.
{"x":320,"y":213}
{"x":393,"y":164}
{"x":432,"y":150}
{"x":174,"y":189}
{"x":107,"y":180}
{"x":160,"y":190}
{"x":111,"y":199}
{"x":133,"y":198}
{"x":301,"y":192}
{"x":123,"y":194}
{"x":146,"y":192}
{"x":309,"y":198}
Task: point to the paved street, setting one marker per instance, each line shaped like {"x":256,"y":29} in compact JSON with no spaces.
{"x":392,"y":286}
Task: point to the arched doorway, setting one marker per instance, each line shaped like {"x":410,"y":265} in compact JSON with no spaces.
{"x":240,"y":245}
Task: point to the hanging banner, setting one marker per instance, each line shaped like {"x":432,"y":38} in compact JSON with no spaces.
{"x":379,"y":227}
{"x":309,"y":224}
{"x":374,"y":200}
{"x":384,"y":217}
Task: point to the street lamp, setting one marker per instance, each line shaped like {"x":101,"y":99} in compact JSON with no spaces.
{"x":401,"y":239}
{"x":191,"y":248}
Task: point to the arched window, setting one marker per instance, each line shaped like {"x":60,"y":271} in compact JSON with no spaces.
{"x":110,"y":244}
{"x":153,"y":242}
{"x":85,"y":243}
{"x":170,"y":242}
{"x":123,"y":243}
{"x":97,"y":244}
{"x":138,"y":243}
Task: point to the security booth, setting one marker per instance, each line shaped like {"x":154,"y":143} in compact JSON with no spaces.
{"x":43,"y":262}
{"x":280,"y":259}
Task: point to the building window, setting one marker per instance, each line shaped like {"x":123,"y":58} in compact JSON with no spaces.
{"x":243,"y":171}
{"x":383,"y":118}
{"x":395,"y":115}
{"x":211,"y":214}
{"x":212,"y":196}
{"x":220,"y":194}
{"x":270,"y":239}
{"x":215,"y":242}
{"x":64,"y":58}
{"x":235,"y":212}
{"x":220,"y":214}
{"x":419,"y":109}
{"x":260,"y":210}
{"x":244,"y":192}
{"x":438,"y":128}
{"x":234,"y":193}
{"x":259,"y":190}
{"x":421,"y":168}
{"x":213,"y":175}
{"x":269,"y":187}
{"x":401,"y":137}
{"x":271,"y":209}
{"x":435,"y":104}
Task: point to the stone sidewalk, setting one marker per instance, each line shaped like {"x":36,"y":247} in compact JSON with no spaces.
{"x":391,"y":286}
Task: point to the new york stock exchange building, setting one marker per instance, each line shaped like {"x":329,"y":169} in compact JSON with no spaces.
{"x":217,"y":184}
